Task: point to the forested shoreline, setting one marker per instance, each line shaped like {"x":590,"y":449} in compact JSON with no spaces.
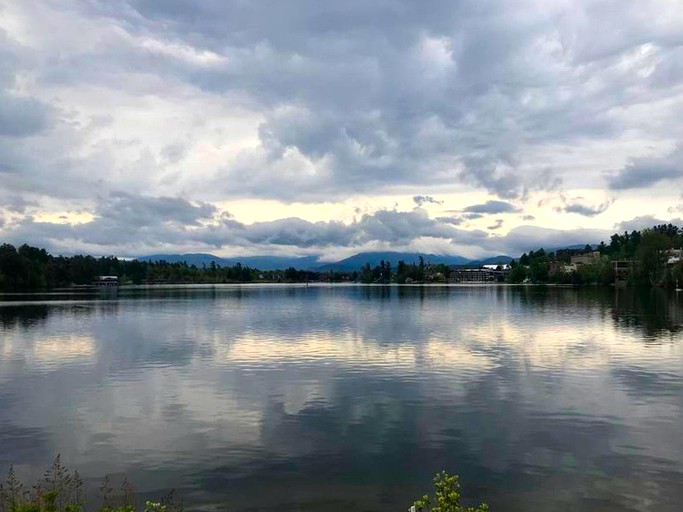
{"x":27,"y":267}
{"x":647,"y":254}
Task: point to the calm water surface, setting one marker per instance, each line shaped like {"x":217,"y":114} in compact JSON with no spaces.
{"x":351,"y":398}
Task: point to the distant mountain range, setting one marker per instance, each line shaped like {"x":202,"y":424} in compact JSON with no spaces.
{"x":373,"y":258}
{"x":259,"y":262}
{"x":349,"y":264}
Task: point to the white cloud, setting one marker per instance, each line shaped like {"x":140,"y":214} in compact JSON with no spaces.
{"x":212,"y":102}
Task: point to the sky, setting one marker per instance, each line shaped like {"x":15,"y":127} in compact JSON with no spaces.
{"x":237,"y":127}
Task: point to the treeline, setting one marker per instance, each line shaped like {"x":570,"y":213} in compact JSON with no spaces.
{"x":383,"y":273}
{"x":405,"y":273}
{"x":29,"y":267}
{"x":644,"y":253}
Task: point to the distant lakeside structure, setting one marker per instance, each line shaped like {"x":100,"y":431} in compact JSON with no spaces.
{"x":106,"y":281}
{"x":485,"y":274}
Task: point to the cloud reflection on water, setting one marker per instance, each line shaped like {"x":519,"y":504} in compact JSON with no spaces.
{"x":522,"y":391}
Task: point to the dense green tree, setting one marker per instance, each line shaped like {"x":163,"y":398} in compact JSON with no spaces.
{"x":518,"y":273}
{"x":446,"y":498}
{"x":650,"y":257}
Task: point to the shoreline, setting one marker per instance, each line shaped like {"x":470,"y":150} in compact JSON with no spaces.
{"x":113,"y":290}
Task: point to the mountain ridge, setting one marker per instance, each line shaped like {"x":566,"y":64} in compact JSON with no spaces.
{"x":259,"y":262}
{"x":349,"y":264}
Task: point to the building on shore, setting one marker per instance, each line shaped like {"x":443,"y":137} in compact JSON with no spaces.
{"x":106,"y":281}
{"x":477,"y":275}
{"x":555,"y":267}
{"x":588,"y":258}
{"x":674,"y":256}
{"x":497,"y":266}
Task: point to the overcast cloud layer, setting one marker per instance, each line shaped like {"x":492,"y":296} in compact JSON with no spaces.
{"x":135,"y":126}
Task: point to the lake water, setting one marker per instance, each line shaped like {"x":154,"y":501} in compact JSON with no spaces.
{"x":351,"y":398}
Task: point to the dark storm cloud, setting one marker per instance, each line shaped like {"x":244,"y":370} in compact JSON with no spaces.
{"x":647,"y":171}
{"x":492,"y":207}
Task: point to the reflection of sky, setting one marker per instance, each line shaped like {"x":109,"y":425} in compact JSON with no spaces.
{"x":540,"y":399}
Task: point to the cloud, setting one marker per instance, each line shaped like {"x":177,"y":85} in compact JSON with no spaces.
{"x":124,"y":221}
{"x":450,"y":219}
{"x":313,"y":102}
{"x":339,"y":99}
{"x":645,"y":221}
{"x":20,"y":114}
{"x":675,"y":209}
{"x":420,"y":200}
{"x":644,"y":172}
{"x":496,"y":176}
{"x":17,"y":204}
{"x":586,"y":210}
{"x":524,"y":238}
{"x":473,"y":216}
{"x":120,"y":221}
{"x":126,"y":209}
{"x":492,"y":207}
{"x":22,"y":117}
{"x":496,"y":225}
{"x":130,"y":225}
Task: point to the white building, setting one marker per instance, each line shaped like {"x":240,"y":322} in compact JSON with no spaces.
{"x":503,"y":266}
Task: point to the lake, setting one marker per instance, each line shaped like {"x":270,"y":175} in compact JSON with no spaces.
{"x":350,"y":398}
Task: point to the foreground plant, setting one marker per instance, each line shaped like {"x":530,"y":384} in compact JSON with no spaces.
{"x":62,"y":491}
{"x":446,"y":497}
